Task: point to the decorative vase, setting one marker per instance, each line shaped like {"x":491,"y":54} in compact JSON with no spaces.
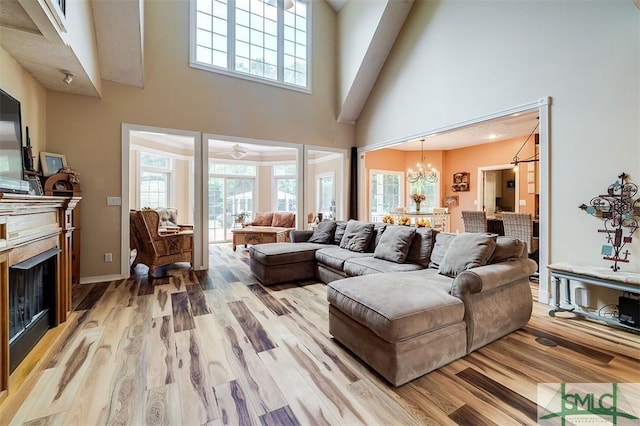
{"x":417,"y":206}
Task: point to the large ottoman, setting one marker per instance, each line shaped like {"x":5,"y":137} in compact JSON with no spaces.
{"x":402,"y":325}
{"x":274,"y":263}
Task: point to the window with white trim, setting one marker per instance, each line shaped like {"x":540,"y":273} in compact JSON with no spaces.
{"x":429,"y":189}
{"x":326,"y":194}
{"x":263,"y":39}
{"x":285,"y":187}
{"x":155,"y":178}
{"x":387,"y":193}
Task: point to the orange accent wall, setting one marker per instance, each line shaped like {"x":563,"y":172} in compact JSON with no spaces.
{"x":459,"y":160}
{"x":470,"y":159}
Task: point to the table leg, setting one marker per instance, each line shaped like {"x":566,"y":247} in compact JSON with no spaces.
{"x":557,"y":306}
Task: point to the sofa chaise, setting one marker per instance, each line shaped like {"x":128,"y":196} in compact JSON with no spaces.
{"x":407,"y":300}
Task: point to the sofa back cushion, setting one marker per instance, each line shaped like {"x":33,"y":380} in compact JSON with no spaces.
{"x":466,"y":251}
{"x":378,"y":230}
{"x":263,"y":219}
{"x":443,"y":239}
{"x":340,"y":227}
{"x":394,"y":243}
{"x":356,"y":236}
{"x":284,"y":219}
{"x":508,"y":248}
{"x":421,"y":246}
{"x":324,"y":233}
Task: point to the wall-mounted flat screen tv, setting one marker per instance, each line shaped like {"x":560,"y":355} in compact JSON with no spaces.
{"x":10,"y":138}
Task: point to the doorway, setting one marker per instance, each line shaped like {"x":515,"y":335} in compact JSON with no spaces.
{"x":498,"y":190}
{"x":159,"y":170}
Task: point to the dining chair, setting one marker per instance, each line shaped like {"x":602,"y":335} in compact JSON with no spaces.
{"x":474,"y":221}
{"x":520,"y":226}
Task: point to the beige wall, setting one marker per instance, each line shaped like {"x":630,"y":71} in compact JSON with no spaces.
{"x":176,"y":96}
{"x":357,"y":23}
{"x":32,"y":96}
{"x":458,"y":60}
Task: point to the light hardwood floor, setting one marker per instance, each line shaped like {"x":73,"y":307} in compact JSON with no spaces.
{"x":217,"y":348}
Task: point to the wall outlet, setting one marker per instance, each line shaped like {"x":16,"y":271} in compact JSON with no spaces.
{"x":523,"y":202}
{"x":108,"y":257}
{"x":114,"y":201}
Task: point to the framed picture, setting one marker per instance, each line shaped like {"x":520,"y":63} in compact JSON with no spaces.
{"x":50,"y":163}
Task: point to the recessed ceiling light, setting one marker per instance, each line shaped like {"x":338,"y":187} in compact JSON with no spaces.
{"x":492,"y":136}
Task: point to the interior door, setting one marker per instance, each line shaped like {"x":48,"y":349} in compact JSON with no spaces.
{"x":489,"y":201}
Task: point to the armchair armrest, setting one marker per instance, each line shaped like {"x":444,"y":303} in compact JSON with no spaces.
{"x":485,"y":278}
{"x":300,"y":236}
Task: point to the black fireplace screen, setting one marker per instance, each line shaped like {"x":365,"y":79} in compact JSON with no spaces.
{"x":31,"y":303}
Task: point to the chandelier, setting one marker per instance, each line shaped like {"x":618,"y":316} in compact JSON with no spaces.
{"x":424,"y":172}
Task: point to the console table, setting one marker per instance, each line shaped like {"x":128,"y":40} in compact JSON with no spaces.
{"x":594,"y":275}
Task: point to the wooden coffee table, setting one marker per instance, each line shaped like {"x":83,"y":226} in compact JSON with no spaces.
{"x":259,"y":235}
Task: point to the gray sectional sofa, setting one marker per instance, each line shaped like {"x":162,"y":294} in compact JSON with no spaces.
{"x":407,"y":300}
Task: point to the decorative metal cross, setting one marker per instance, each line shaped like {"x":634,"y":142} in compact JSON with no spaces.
{"x":620,"y":212}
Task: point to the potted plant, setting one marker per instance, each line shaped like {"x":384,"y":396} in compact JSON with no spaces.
{"x":241,"y":217}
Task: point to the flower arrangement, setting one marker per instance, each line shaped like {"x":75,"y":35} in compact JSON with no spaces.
{"x":422,"y":223}
{"x":387,"y":218}
{"x":418,"y":198}
{"x":404,"y":220}
{"x":241,"y":217}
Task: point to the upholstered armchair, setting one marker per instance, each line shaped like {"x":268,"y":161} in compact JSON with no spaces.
{"x":154,"y":249}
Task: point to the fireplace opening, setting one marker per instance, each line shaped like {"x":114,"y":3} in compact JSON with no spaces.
{"x":31,"y":303}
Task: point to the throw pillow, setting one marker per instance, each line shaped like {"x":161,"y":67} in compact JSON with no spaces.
{"x":466,"y":251}
{"x":357,"y":236}
{"x":340,"y":227}
{"x":507,"y":248}
{"x":323,"y":233}
{"x":378,"y":230}
{"x":394,"y":243}
{"x":421,"y":246}
{"x":263,"y":219}
{"x":284,"y":219}
{"x":440,"y":248}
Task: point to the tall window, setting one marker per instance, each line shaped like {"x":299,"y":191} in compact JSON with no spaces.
{"x":286,"y":187}
{"x":326,"y":195}
{"x":266,"y":39}
{"x":155,"y":176}
{"x":427,"y":188}
{"x":387,"y":190}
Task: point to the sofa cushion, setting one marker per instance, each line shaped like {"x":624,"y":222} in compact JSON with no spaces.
{"x":263,"y":219}
{"x":334,"y":257}
{"x":357,"y":236}
{"x":323,"y":233}
{"x":284,"y":219}
{"x":272,"y":254}
{"x":507,"y":248}
{"x":378,"y":230}
{"x":340,"y":228}
{"x":443,"y":239}
{"x":421,"y":246}
{"x":466,"y":251}
{"x":394,"y":243}
{"x":395,"y":308}
{"x":371,"y":265}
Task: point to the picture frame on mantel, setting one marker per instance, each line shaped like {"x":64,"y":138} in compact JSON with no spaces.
{"x":50,"y":163}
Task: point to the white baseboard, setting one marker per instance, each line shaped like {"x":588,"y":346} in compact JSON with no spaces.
{"x":101,"y":279}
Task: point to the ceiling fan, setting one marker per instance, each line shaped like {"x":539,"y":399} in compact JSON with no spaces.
{"x":236,"y":152}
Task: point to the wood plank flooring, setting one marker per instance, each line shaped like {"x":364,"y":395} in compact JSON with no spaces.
{"x":217,"y":348}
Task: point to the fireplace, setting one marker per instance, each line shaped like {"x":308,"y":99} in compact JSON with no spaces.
{"x":32,"y":304}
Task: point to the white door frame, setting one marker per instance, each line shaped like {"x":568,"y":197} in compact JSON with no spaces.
{"x":480,"y":186}
{"x":544,"y":116}
{"x":200,"y":248}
